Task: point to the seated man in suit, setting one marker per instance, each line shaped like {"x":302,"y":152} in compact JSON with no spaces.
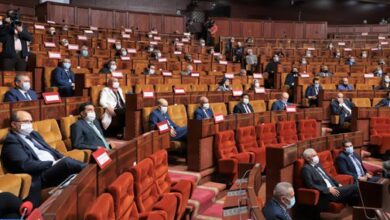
{"x":350,"y":163}
{"x":25,"y":151}
{"x":187,"y":71}
{"x":161,"y":114}
{"x":22,"y":90}
{"x":282,"y":103}
{"x":378,"y":72}
{"x":244,"y":106}
{"x":203,"y":111}
{"x":63,"y":78}
{"x":345,"y":86}
{"x":312,"y":92}
{"x":290,"y":78}
{"x":343,"y":108}
{"x":113,"y":101}
{"x":385,"y":84}
{"x":324,"y":72}
{"x":109,"y":67}
{"x":86,"y":133}
{"x":151,"y":70}
{"x":385,"y":102}
{"x":314,"y":176}
{"x":282,"y":200}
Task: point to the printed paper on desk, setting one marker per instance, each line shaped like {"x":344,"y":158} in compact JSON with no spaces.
{"x":384,"y":43}
{"x":257,"y":75}
{"x":364,"y":34}
{"x":54,"y":55}
{"x":125,"y":35}
{"x":187,"y":34}
{"x":185,"y":40}
{"x":51,"y":22}
{"x":73,"y":47}
{"x":304,"y":75}
{"x":51,"y":97}
{"x":111,"y":40}
{"x":157,"y":38}
{"x":368,"y":75}
{"x":291,"y":108}
{"x":39,"y":27}
{"x":218,"y":118}
{"x":237,"y":92}
{"x":101,"y":157}
{"x":153,"y":43}
{"x":195,"y":74}
{"x":260,"y":90}
{"x":163,"y":127}
{"x":197,"y":61}
{"x":82,"y":37}
{"x":148,"y":93}
{"x":216,"y":54}
{"x":166,"y":73}
{"x":125,"y":58}
{"x":177,"y":52}
{"x":381,"y":38}
{"x":88,"y":31}
{"x":131,"y":50}
{"x":93,"y":28}
{"x":128,"y":30}
{"x":117,"y":74}
{"x":180,"y":91}
{"x":50,"y":44}
{"x":229,"y":75}
{"x":162,"y":60}
{"x":341,"y":43}
{"x":374,"y":49}
{"x":223,"y":62}
{"x":347,"y":49}
{"x":311,"y":48}
{"x":179,"y":44}
{"x":154,"y":32}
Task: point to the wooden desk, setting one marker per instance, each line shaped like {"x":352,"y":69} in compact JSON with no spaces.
{"x":30,"y":106}
{"x":106,"y":176}
{"x":72,"y":104}
{"x":62,"y":205}
{"x":5,"y":115}
{"x":52,"y":111}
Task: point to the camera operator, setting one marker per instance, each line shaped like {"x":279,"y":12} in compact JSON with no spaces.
{"x":14,"y":38}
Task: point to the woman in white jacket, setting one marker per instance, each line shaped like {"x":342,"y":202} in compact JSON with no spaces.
{"x":113,"y":102}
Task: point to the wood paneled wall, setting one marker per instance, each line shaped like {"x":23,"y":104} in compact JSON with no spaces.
{"x":24,"y":9}
{"x":109,"y":18}
{"x":271,"y":29}
{"x":358,"y":29}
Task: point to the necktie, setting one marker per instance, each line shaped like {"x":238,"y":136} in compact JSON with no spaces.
{"x":358,"y":164}
{"x":118,"y":99}
{"x":205,"y":112}
{"x":27,"y":96}
{"x":324,"y":175}
{"x":246,"y":107}
{"x":106,"y":145}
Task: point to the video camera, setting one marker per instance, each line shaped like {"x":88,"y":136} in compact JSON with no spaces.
{"x":14,"y":15}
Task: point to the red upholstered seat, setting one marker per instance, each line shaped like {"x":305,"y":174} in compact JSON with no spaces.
{"x":266,"y":135}
{"x":164,"y":183}
{"x":101,"y":209}
{"x":246,"y":137}
{"x":307,"y":129}
{"x":147,"y":195}
{"x":380,"y":133}
{"x":287,"y":132}
{"x":227,"y":154}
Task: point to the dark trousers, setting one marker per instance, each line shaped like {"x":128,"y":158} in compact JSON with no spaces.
{"x":181,"y":134}
{"x":9,"y":206}
{"x":348,"y":194}
{"x":14,"y":64}
{"x":66,"y":91}
{"x":313,"y":102}
{"x":53,"y":177}
{"x":117,"y":124}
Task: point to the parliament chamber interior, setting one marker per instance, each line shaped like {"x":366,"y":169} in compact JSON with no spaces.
{"x":194,"y":109}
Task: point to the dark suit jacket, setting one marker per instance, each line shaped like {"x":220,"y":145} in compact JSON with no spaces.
{"x":271,"y":67}
{"x":84,"y":137}
{"x":345,"y":164}
{"x":311,"y":91}
{"x":18,"y":157}
{"x":279,"y":106}
{"x":200,"y":115}
{"x":239,"y":108}
{"x":383,"y":103}
{"x":337,"y":110}
{"x":273,"y":211}
{"x":342,"y":87}
{"x":7,"y":33}
{"x":313,"y":180}
{"x":156,"y":117}
{"x":105,"y":70}
{"x":290,"y":79}
{"x":59,"y":78}
{"x":14,"y":95}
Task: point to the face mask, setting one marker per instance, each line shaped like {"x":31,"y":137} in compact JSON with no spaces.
{"x":115,"y":85}
{"x":202,"y":44}
{"x":67,"y":65}
{"x":26,"y":128}
{"x":91,"y":116}
{"x":150,"y":49}
{"x":118,"y":47}
{"x":52,"y":32}
{"x":124,"y":53}
{"x":364,"y":55}
{"x":315,"y":160}
{"x":150,"y":36}
{"x":25,"y":86}
{"x":317,"y":85}
{"x":304,"y":62}
{"x":113,"y":67}
{"x":206,"y":105}
{"x":158,"y":54}
{"x":349,"y":150}
{"x":152,"y":71}
{"x":164,"y":109}
{"x":245,"y":101}
{"x":276,"y":59}
{"x":84,"y":53}
{"x":65,"y":28}
{"x":387,"y":80}
{"x":65,"y":43}
{"x":257,"y":84}
{"x":292,"y":203}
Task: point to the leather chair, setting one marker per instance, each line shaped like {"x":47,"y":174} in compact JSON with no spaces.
{"x":227,"y":154}
{"x":361,"y":102}
{"x":51,"y":133}
{"x":199,"y":87}
{"x":375,"y":101}
{"x":270,"y":102}
{"x":3,"y":90}
{"x":147,"y":195}
{"x":163,"y":88}
{"x":219,"y":108}
{"x":363,"y":86}
{"x":165,"y":185}
{"x":145,"y":118}
{"x":178,"y":115}
{"x":246,"y":141}
{"x":47,"y":79}
{"x":307,"y":129}
{"x":65,"y":124}
{"x":122,"y":191}
{"x":191,"y":108}
{"x":231,"y":105}
{"x":258,"y":106}
{"x":287,"y":132}
{"x":101,"y":209}
{"x":266,"y":135}
{"x":213,"y":87}
{"x":139,"y":88}
{"x":380,"y":133}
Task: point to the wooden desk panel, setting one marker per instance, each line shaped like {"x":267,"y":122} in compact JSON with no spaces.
{"x":30,"y":106}
{"x":160,"y":141}
{"x":154,"y":80}
{"x":52,"y":111}
{"x":127,"y":155}
{"x":106,"y":176}
{"x":208,"y":80}
{"x":61,"y":206}
{"x":184,"y":99}
{"x":72,"y":104}
{"x":189,"y":80}
{"x":262,"y":117}
{"x":319,"y":144}
{"x":229,"y":123}
{"x":244,"y":120}
{"x":5,"y":115}
{"x":314,"y":113}
{"x":335,"y":141}
{"x":165,"y":95}
{"x":144,"y":145}
{"x":278,"y":116}
{"x":215,"y":97}
{"x":196,"y":95}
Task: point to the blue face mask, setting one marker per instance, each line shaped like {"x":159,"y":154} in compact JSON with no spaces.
{"x":349,"y":150}
{"x":292,"y":203}
{"x":67,"y":65}
{"x":84,"y":53}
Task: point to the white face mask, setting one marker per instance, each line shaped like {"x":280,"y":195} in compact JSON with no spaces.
{"x":164,"y":109}
{"x":26,"y":128}
{"x":124,"y":53}
{"x":113,"y":67}
{"x":115,"y":85}
{"x":91,"y":116}
{"x":257,"y":84}
{"x":152,"y":71}
{"x":25,"y":86}
{"x":206,"y":105}
{"x":349,"y":150}
{"x":315,"y":160}
{"x":118,"y":47}
{"x":245,"y":101}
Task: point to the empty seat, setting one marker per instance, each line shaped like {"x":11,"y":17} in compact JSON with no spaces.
{"x":380,"y":133}
{"x":231,"y":105}
{"x":361,"y":102}
{"x":101,"y":209}
{"x":307,"y":129}
{"x":163,"y":88}
{"x":3,"y":90}
{"x":140,"y":88}
{"x":178,"y":114}
{"x":246,"y":138}
{"x":362,"y":86}
{"x":258,"y":106}
{"x":266,"y":134}
{"x":199,"y":87}
{"x":227,"y":154}
{"x":287,"y":132}
{"x":218,"y":108}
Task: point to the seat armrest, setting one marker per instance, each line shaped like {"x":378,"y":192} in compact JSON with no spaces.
{"x":308,"y":196}
{"x":344,"y":179}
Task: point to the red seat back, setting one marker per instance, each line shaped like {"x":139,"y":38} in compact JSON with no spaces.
{"x":307,"y":129}
{"x":101,"y":209}
{"x":327,"y":162}
{"x":266,"y":133}
{"x":225,"y":145}
{"x":246,"y":137}
{"x":298,"y":183}
{"x":379,"y":125}
{"x":287,"y":132}
{"x":160,"y":161}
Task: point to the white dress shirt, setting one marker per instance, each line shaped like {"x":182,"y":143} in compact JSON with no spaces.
{"x":42,"y":154}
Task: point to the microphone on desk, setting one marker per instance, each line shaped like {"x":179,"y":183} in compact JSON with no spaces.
{"x":25,"y":209}
{"x":244,"y":176}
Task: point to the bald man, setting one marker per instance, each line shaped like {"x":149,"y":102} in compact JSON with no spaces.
{"x":344,"y":85}
{"x":63,"y":78}
{"x":203,"y":111}
{"x":282,"y":103}
{"x":343,"y":108}
{"x":160,"y":114}
{"x":25,"y":151}
{"x":282,"y":200}
{"x":324,"y":72}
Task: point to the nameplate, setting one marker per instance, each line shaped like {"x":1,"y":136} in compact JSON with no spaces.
{"x":179,"y":44}
{"x":93,"y":28}
{"x":88,"y":31}
{"x":54,"y":55}
{"x":381,"y":38}
{"x":166,"y":73}
{"x":384,"y":43}
{"x":50,"y":22}
{"x":146,"y":93}
{"x":347,"y":49}
{"x":229,"y":75}
{"x":126,"y":36}
{"x":368,"y":75}
{"x":291,"y":108}
{"x":341,"y":43}
{"x":218,"y":118}
{"x":177,"y":52}
{"x":311,"y":48}
{"x":154,"y":32}
{"x":111,"y":40}
{"x":179,"y":91}
{"x":260,"y":90}
{"x":163,"y":127}
{"x":187,"y":34}
{"x":131,"y":50}
{"x":238,"y":211}
{"x":257,"y":75}
{"x":162,"y":60}
{"x":364,"y":34}
{"x":82,"y":37}
{"x":237,"y":92}
{"x":50,"y":44}
{"x":236,"y":193}
{"x":216,"y":54}
{"x":51,"y":97}
{"x":125,"y":58}
{"x":39,"y":27}
{"x":197,"y":61}
{"x":156,"y":38}
{"x":101,"y":157}
{"x":185,"y":40}
{"x":223,"y":62}
{"x":304,"y":75}
{"x":117,"y":74}
{"x":128,"y":30}
{"x":195,"y":74}
{"x":153,"y":43}
{"x":73,"y":47}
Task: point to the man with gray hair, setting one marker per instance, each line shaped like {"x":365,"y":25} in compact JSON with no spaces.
{"x":251,"y":61}
{"x":282,"y":200}
{"x":314,"y":176}
{"x":22,"y":90}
